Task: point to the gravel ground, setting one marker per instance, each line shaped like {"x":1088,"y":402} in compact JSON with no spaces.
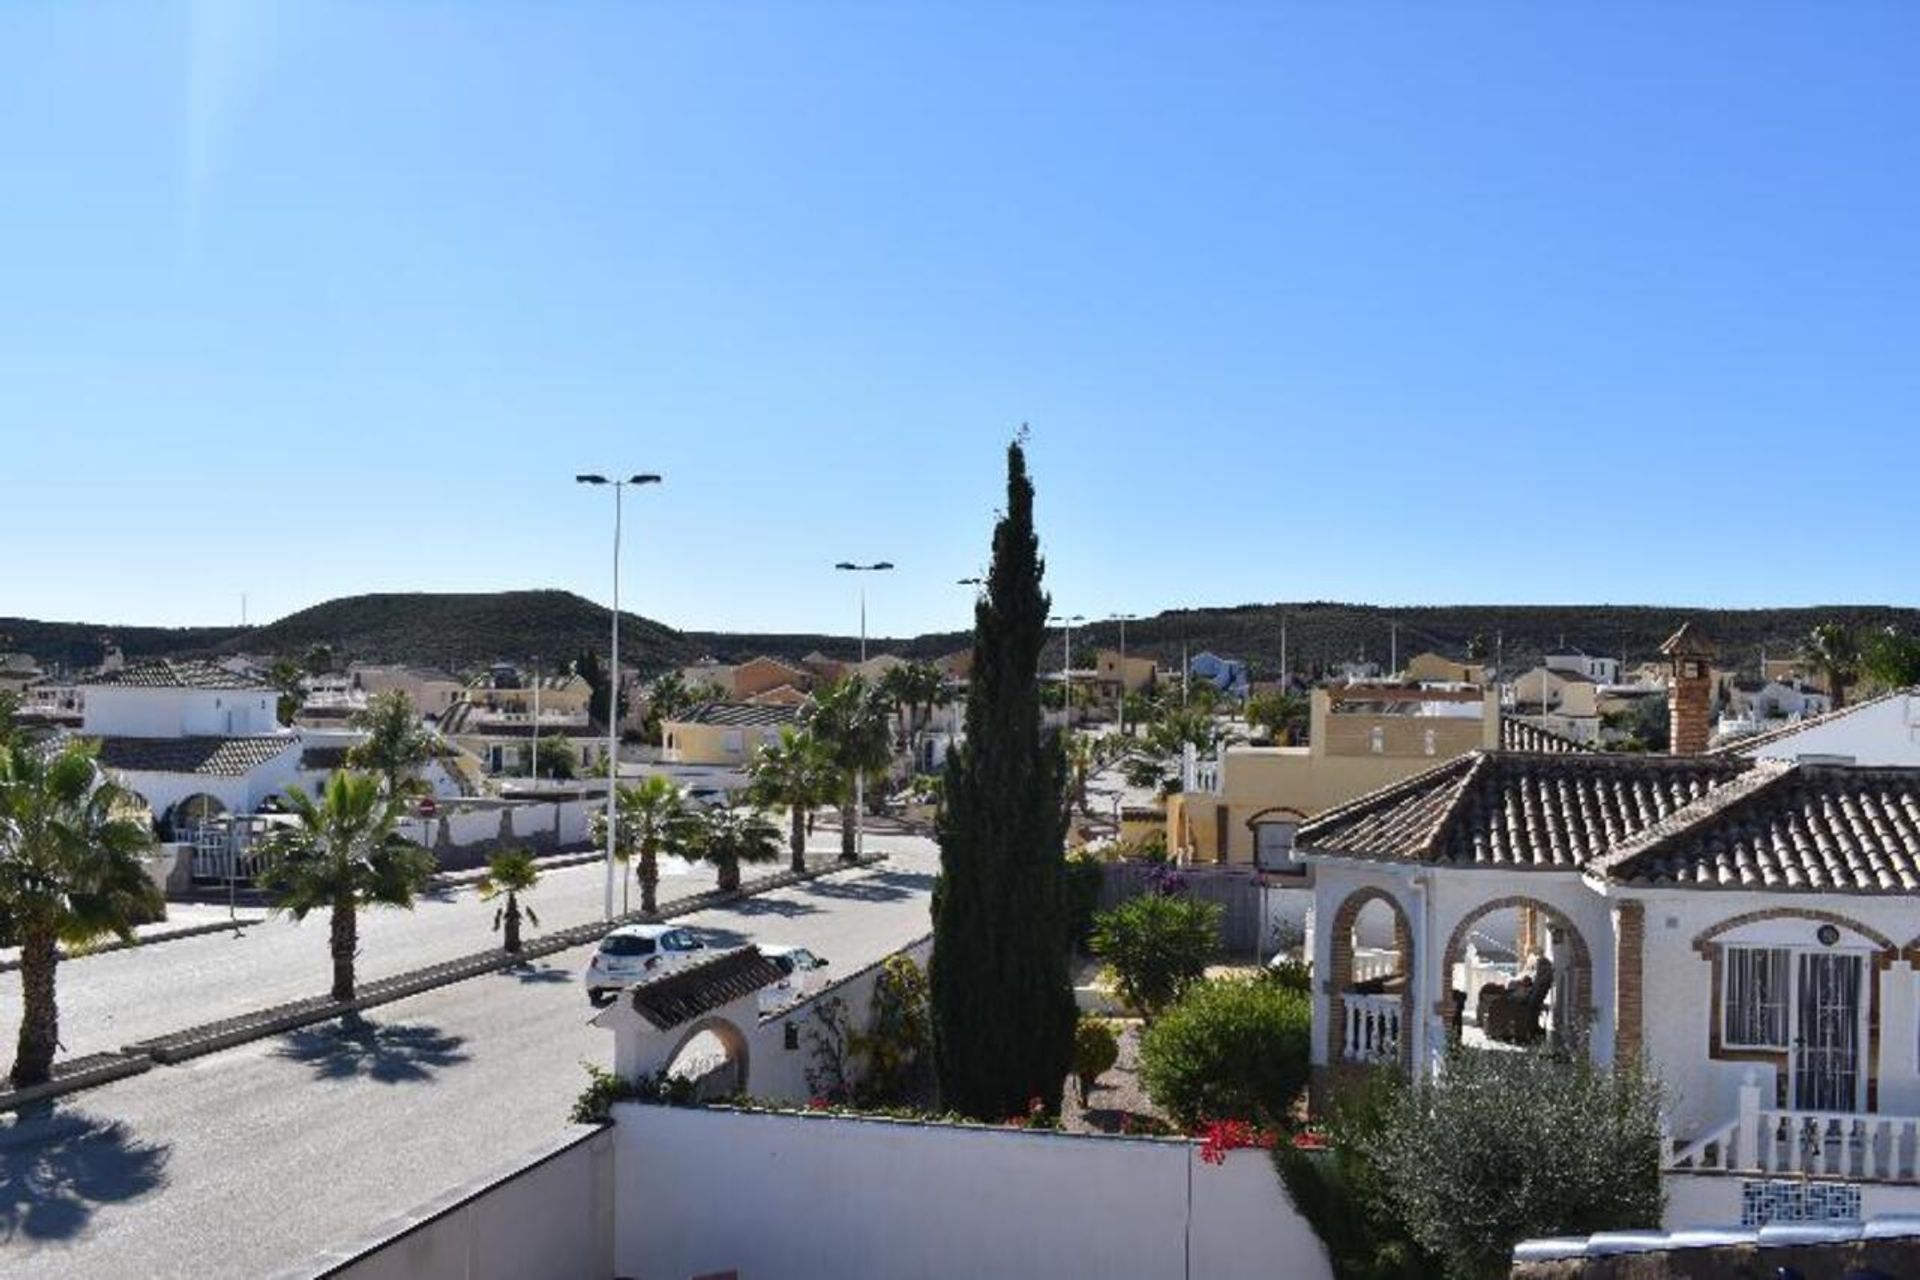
{"x":1119,"y":1102}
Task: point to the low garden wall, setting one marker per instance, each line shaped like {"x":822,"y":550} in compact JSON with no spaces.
{"x":703,"y":1191}
{"x":549,"y":1214}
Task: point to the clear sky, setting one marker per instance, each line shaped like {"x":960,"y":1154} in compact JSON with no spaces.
{"x":1395,"y":303}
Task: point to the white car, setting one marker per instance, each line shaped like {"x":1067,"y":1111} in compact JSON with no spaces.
{"x":636,"y":952}
{"x":802,"y":977}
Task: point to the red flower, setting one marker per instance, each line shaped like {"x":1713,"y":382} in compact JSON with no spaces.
{"x":1222,"y":1136}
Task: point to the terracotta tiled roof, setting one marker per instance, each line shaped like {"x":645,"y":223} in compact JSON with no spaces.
{"x":211,"y":756}
{"x":1806,"y":827}
{"x":684,"y":995}
{"x":168,"y":674}
{"x":1518,"y":811}
{"x":1517,"y":734}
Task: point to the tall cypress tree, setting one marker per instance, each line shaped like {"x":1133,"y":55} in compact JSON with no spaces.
{"x":1002,"y":992}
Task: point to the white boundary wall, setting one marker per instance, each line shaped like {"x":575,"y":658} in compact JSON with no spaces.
{"x":799,"y":1196}
{"x":548,"y":1215}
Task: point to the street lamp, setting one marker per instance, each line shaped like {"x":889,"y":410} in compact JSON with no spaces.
{"x":1123,"y":619}
{"x":1066,"y":664}
{"x":860,"y":775}
{"x":613,"y":671}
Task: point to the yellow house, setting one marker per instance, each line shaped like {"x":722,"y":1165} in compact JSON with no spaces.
{"x":763,"y":675}
{"x":1437,"y":668}
{"x":723,"y":733}
{"x":430,"y":690}
{"x":1362,"y":737}
{"x":1111,"y":672}
{"x":560,"y":695}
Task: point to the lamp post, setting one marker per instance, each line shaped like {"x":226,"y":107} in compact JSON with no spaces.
{"x":1121,"y":702}
{"x":860,"y":775}
{"x":613,"y":672}
{"x":1066,"y":664}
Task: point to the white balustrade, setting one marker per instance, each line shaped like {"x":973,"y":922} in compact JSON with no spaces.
{"x":1373,"y":1028}
{"x":1370,"y":963}
{"x":1779,"y":1140}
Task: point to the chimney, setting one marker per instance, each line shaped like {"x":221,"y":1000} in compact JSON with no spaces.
{"x":1690,"y":691}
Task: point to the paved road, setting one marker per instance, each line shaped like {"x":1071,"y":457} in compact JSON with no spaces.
{"x":110,"y":999}
{"x":245,"y":1162}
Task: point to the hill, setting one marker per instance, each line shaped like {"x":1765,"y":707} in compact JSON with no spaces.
{"x":462,"y":631}
{"x":449,"y":629}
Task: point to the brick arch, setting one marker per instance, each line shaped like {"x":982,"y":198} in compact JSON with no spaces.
{"x":1580,"y":961}
{"x":1705,"y":938}
{"x":1340,"y":969}
{"x":731,"y":1038}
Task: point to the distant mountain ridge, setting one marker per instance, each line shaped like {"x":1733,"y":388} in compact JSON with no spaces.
{"x":464,"y":630}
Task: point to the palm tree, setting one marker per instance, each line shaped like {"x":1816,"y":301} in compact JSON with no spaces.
{"x":1281,"y":714}
{"x":850,"y":719}
{"x":1083,"y":756}
{"x":344,"y":853}
{"x":667,"y":697}
{"x":727,"y":836}
{"x":795,"y":773}
{"x":653,"y":816}
{"x":69,"y":872}
{"x":397,"y":745}
{"x":510,"y":873}
{"x":1834,"y":651}
{"x":915,"y":686}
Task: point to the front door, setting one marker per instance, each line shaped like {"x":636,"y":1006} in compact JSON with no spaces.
{"x":1826,"y":1043}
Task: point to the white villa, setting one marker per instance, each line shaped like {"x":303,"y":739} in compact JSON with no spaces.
{"x":190,"y":736}
{"x":1745,"y":925}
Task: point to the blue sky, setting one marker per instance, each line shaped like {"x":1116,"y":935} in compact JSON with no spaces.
{"x":1393,"y":303}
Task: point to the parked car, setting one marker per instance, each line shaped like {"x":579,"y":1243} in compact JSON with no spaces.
{"x":636,"y":952}
{"x":802,"y":976}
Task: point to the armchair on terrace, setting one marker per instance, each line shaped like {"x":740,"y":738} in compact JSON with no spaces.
{"x":1512,"y":1012}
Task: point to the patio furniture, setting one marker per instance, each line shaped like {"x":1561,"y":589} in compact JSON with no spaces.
{"x":1512,"y":1012}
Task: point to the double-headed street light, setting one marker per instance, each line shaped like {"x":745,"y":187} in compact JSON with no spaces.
{"x":613,"y":672}
{"x":860,"y":775}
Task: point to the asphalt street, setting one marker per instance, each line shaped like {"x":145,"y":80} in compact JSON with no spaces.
{"x":115,"y":997}
{"x":250,"y":1161}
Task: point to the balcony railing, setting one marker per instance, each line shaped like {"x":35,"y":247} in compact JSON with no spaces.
{"x":1373,"y":1029}
{"x":1780,"y":1140}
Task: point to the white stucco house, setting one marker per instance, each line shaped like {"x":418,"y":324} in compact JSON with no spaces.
{"x":193,"y":739}
{"x":1747,"y":927}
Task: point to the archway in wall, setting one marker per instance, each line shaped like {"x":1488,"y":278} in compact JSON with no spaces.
{"x":1517,"y":971}
{"x":1370,"y":983}
{"x":712,"y":1054}
{"x":189,"y":815}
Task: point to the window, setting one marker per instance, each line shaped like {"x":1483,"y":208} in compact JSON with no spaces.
{"x":625,"y":944}
{"x":1273,"y":846}
{"x":1377,"y":739}
{"x":1754,"y":1002}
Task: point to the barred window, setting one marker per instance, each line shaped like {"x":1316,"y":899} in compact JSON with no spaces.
{"x":1754,"y":1004}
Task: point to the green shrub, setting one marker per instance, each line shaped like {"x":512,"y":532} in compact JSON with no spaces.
{"x":1294,"y":975}
{"x":1158,"y":946}
{"x":1083,"y":877}
{"x":1503,"y":1147}
{"x":1338,"y":1190}
{"x":604,"y":1088}
{"x":899,"y":1034}
{"x":1236,"y":1049}
{"x":1095,"y":1049}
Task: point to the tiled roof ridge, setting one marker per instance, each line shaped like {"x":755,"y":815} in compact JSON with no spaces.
{"x":1740,"y":746}
{"x":1372,"y":800}
{"x":1756,"y":780}
{"x":1571,"y":746}
{"x":1450,"y":812}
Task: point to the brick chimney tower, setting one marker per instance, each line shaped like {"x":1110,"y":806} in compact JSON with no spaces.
{"x":1690,"y":692}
